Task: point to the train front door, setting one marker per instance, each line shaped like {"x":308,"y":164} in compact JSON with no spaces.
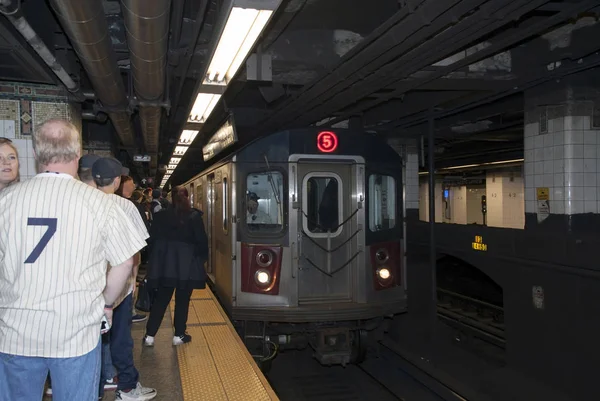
{"x":327,"y":228}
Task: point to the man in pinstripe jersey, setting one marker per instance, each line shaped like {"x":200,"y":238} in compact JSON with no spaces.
{"x":107,"y":176}
{"x":56,"y":236}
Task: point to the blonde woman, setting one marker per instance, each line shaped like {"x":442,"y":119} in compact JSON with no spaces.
{"x":9,"y":163}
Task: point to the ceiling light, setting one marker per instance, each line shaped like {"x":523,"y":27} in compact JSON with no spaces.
{"x":180,"y":150}
{"x":203,"y":106}
{"x":170,"y":171}
{"x":171,"y":166}
{"x":175,"y":160}
{"x":187,"y":137}
{"x":243,"y":27}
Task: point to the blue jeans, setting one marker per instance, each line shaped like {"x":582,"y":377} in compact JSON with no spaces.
{"x":121,"y":345}
{"x":107,"y":371}
{"x":22,"y":378}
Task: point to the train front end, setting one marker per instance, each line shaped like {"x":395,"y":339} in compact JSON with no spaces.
{"x":320,"y":250}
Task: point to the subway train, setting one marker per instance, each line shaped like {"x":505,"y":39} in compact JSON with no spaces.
{"x":306,"y":234}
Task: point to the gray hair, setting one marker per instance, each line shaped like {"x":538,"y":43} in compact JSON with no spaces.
{"x":56,"y":141}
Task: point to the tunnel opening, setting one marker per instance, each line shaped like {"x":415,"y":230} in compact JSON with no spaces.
{"x":471,"y":303}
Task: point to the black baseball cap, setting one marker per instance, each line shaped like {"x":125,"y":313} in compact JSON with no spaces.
{"x":107,"y":167}
{"x":87,"y":161}
{"x":253,"y":196}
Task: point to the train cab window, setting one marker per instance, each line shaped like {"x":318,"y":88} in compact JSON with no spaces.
{"x":382,"y":202}
{"x":264,"y":207}
{"x":321,"y":205}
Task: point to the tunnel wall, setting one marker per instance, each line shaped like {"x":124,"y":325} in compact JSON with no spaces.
{"x":550,"y":283}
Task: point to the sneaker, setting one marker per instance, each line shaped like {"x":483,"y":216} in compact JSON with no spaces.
{"x":178,"y":340}
{"x":49,"y":391}
{"x":148,"y":341}
{"x":138,"y":318}
{"x":111,"y":384}
{"x":139,"y":393}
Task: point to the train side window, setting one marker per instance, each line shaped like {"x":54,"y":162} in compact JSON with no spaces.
{"x":198,"y":197}
{"x":225,"y":204}
{"x":264,"y":207}
{"x":382,"y":202}
{"x":322,"y":209}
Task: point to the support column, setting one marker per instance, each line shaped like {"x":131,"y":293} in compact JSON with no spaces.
{"x":25,"y":106}
{"x":562,"y":140}
{"x":505,"y":199}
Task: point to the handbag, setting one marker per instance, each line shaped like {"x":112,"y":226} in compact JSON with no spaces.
{"x":145,"y":297}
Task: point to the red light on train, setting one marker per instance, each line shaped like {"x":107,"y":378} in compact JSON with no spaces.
{"x":327,"y":142}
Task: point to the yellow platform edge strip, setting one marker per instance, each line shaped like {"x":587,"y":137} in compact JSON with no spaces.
{"x":188,"y":355}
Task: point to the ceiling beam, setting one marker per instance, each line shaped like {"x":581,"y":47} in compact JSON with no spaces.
{"x":500,"y":43}
{"x":533,"y":79}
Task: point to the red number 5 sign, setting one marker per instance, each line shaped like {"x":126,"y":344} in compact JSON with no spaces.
{"x":327,"y":142}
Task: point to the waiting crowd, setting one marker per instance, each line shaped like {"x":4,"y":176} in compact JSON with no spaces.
{"x":72,"y":240}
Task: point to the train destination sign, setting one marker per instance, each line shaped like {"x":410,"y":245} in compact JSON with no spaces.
{"x":478,"y":244}
{"x":222,"y":139}
{"x":327,"y":142}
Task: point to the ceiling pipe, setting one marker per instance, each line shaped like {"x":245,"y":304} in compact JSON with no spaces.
{"x":147,"y":26}
{"x":85,"y":24}
{"x":14,"y":14}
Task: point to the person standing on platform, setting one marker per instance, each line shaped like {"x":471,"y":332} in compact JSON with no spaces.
{"x":178,"y":250}
{"x":107,"y":175}
{"x":57,"y":236}
{"x":9,"y":160}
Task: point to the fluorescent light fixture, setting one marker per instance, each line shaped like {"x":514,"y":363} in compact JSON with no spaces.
{"x":180,"y":150}
{"x":170,"y":171}
{"x":203,"y":106}
{"x":171,"y":166}
{"x":187,"y":137}
{"x":175,"y":160}
{"x":477,"y":165}
{"x":243,"y":27}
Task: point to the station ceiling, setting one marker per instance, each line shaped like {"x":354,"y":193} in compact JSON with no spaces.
{"x":386,"y":66}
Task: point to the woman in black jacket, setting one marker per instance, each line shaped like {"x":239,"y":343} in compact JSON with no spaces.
{"x":178,"y":250}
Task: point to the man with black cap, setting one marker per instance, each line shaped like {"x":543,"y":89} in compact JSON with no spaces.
{"x":85,"y":168}
{"x":255,"y":216}
{"x":107,"y":175}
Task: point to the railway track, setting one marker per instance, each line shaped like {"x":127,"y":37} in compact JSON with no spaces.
{"x":472,"y":316}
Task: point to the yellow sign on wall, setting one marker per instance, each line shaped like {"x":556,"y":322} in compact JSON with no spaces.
{"x":478,"y":244}
{"x":543,"y":193}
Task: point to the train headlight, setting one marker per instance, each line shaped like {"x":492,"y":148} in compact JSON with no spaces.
{"x":384,"y":273}
{"x":262,"y":277}
{"x":264,"y":258}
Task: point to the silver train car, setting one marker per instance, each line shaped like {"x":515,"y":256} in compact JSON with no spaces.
{"x":305,"y":230}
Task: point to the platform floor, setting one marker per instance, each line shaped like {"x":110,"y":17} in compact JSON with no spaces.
{"x":215,"y":366}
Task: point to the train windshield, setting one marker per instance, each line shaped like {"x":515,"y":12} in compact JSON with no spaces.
{"x":263,"y":201}
{"x":382,"y":202}
{"x":323,"y":212}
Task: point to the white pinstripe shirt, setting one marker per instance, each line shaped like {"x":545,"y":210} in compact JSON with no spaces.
{"x":56,"y":236}
{"x":134,"y":216}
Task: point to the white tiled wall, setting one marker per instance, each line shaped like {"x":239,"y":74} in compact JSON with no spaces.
{"x":458,"y":205}
{"x":412,"y":181}
{"x":505,"y":200}
{"x":493,"y":192}
{"x":566,"y":160}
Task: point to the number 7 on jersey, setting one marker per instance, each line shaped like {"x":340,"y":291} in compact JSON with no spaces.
{"x":40,"y":221}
